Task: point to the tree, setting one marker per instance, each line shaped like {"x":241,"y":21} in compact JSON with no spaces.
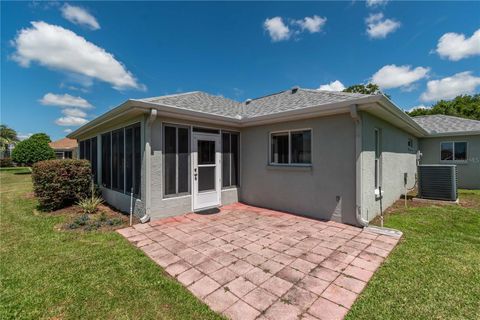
{"x":41,"y":136}
{"x":8,"y":136}
{"x":370,"y":88}
{"x":30,"y":151}
{"x":464,"y":106}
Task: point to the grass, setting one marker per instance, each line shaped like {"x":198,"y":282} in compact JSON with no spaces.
{"x":434,"y":272}
{"x":46,"y":273}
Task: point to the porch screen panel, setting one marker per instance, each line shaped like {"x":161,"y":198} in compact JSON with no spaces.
{"x":82,"y":149}
{"x":87,"y":154}
{"x":170,"y":149}
{"x":94,"y":159}
{"x":118,"y":158}
{"x":183,"y":167}
{"x":128,"y":159}
{"x":235,"y":146}
{"x":106,"y":160}
{"x":137,"y":159}
{"x":226,"y":159}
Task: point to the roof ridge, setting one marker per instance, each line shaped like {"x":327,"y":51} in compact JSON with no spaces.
{"x":168,"y":95}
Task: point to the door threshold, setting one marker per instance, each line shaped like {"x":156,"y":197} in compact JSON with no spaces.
{"x":207,"y":211}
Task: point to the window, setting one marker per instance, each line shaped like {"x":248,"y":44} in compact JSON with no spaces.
{"x":68,"y":154}
{"x":410,"y":144}
{"x":176,"y":160}
{"x":230,"y":153}
{"x":88,"y":151}
{"x":378,"y":153}
{"x":291,"y":147}
{"x":59,"y":155}
{"x":453,"y":151}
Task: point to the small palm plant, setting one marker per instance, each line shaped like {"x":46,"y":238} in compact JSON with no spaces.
{"x":90,"y":205}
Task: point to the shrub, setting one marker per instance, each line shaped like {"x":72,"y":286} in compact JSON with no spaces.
{"x":30,"y":151}
{"x":90,"y":205}
{"x":60,"y":183}
{"x":6,"y":162}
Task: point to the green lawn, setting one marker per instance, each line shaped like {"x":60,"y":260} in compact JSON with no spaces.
{"x":46,"y":273}
{"x":434,"y":273}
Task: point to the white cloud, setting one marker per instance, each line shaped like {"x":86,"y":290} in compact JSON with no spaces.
{"x":71,"y":121}
{"x":68,"y":130}
{"x":332,"y":86}
{"x":64,"y":100}
{"x":59,"y":48}
{"x":23,"y":136}
{"x":392,"y":76}
{"x":378,"y":27}
{"x":80,"y":16}
{"x":450,"y":87}
{"x":455,"y":46}
{"x":277,"y":29}
{"x":312,"y":24}
{"x":421,"y":106}
{"x":74,"y":112}
{"x":375,"y":3}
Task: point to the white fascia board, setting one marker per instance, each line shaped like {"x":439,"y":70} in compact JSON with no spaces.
{"x":454,"y":134}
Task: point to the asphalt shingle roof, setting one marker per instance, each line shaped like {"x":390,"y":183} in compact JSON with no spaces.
{"x":201,"y":102}
{"x":279,"y":102}
{"x":446,"y":124}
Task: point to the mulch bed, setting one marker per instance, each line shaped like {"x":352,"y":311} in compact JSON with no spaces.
{"x":105,"y":219}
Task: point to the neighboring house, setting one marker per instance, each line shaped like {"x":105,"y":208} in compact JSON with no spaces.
{"x":315,"y":153}
{"x":65,"y":148}
{"x":453,"y":140}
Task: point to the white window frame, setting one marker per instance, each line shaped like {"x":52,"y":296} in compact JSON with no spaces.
{"x":289,"y":132}
{"x":453,"y":152}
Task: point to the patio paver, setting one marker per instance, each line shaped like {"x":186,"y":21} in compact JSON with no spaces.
{"x":254,"y":263}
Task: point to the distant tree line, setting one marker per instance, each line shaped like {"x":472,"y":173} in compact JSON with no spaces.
{"x":464,"y":106}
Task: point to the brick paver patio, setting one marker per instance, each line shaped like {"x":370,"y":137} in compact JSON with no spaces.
{"x":253,"y":263}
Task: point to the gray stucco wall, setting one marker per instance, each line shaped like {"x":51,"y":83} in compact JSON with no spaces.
{"x":396,"y":159}
{"x":326,"y":190}
{"x":468,"y":173}
{"x":162,"y":206}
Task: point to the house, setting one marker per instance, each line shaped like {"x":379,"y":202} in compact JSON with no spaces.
{"x":65,"y":148}
{"x":453,"y":140}
{"x":327,"y":155}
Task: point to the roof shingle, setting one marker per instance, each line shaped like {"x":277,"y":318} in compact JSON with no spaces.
{"x":279,"y":102}
{"x":64,"y":144}
{"x":438,"y":124}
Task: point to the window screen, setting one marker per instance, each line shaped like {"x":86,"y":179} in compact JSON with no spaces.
{"x":230,"y":161}
{"x":176,"y":160}
{"x":279,"y":148}
{"x":301,"y":146}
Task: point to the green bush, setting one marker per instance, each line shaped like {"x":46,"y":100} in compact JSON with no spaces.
{"x":60,"y":183}
{"x":30,"y":151}
{"x":6,"y":162}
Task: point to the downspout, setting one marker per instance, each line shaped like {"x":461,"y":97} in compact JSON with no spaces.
{"x":358,"y":165}
{"x":148,"y":164}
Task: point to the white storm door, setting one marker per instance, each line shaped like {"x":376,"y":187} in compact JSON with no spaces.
{"x":206,"y":171}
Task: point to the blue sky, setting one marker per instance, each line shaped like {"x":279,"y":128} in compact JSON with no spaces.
{"x":79,"y":59}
